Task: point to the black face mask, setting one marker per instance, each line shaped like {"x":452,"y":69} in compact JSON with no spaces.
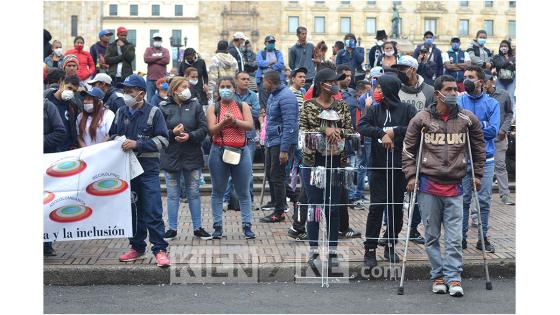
{"x":469,"y":86}
{"x":403,"y":77}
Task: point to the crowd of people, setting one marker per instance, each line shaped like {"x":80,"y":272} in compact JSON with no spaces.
{"x":311,"y":115}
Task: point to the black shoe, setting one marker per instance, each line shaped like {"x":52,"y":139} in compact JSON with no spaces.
{"x":48,"y":250}
{"x":297,"y":235}
{"x":218,"y":232}
{"x":464,"y":244}
{"x":202,"y":234}
{"x":350,"y":233}
{"x":370,"y":260}
{"x":333,"y":261}
{"x":268,"y":206}
{"x":314,"y":260}
{"x":390,"y":254}
{"x":487,"y":246}
{"x":170,"y":234}
{"x":416,"y":237}
{"x":274,"y":217}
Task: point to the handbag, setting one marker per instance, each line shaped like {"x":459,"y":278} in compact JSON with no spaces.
{"x":231,"y":155}
{"x":505,"y":74}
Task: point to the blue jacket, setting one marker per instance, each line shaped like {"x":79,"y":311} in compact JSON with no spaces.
{"x":252,"y":100}
{"x":354,"y":61}
{"x":349,"y":97}
{"x":282,"y":114}
{"x":262,"y":63}
{"x":456,"y":57}
{"x":487,"y":109}
{"x":150,"y":139}
{"x":113,"y":99}
{"x":434,"y":67}
{"x":54,"y":131}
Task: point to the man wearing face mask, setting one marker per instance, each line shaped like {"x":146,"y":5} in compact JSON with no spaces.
{"x":268,"y":58}
{"x":157,"y":59}
{"x":352,"y":55}
{"x":64,"y":99}
{"x":487,"y":110}
{"x":414,"y":90}
{"x":443,"y":167}
{"x":376,"y":52}
{"x":429,"y":59}
{"x":479,"y":54}
{"x":455,"y":62}
{"x":386,"y":124}
{"x":192,"y":59}
{"x":113,"y":99}
{"x":119,"y":56}
{"x":146,"y":135}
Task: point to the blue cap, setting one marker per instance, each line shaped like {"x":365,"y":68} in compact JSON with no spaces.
{"x":376,"y":71}
{"x":133,"y":80}
{"x":94,"y":92}
{"x":105,"y":32}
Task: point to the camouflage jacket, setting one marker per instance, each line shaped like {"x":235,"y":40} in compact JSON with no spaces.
{"x":309,"y":121}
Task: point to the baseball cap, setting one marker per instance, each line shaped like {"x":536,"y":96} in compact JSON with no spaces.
{"x":133,"y":80}
{"x":122,"y":29}
{"x":376,"y":72}
{"x":156,"y":35}
{"x":455,"y":40}
{"x":239,"y":35}
{"x":406,"y":61}
{"x":105,"y":32}
{"x":300,"y":69}
{"x":269,"y":38}
{"x":328,"y":74}
{"x":101,"y":77}
{"x":94,"y":92}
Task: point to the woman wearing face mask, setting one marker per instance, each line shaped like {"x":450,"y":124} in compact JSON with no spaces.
{"x":329,"y":119}
{"x":183,"y":159}
{"x":94,"y":122}
{"x":86,"y":66}
{"x":161,"y":94}
{"x":54,"y":60}
{"x":228,"y":123}
{"x":504,"y":63}
{"x":389,"y":56}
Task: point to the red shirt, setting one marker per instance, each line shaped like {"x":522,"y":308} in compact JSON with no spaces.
{"x":233,"y":136}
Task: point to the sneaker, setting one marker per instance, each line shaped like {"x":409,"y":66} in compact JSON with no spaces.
{"x":131,"y":255}
{"x":218,"y":232}
{"x":438,"y":286}
{"x":170,"y":234}
{"x":464,"y":244}
{"x":350,"y":233}
{"x":487,"y":245}
{"x":247,"y":231}
{"x":416,"y":237}
{"x":333,"y":260}
{"x":162,"y":259}
{"x":359,"y":205}
{"x":390,"y":254}
{"x":297,"y":235}
{"x":268,"y":206}
{"x":370,"y":260}
{"x":507,"y":200}
{"x":273,"y":217}
{"x":202,"y":234}
{"x":455,"y":289}
{"x":48,"y":250}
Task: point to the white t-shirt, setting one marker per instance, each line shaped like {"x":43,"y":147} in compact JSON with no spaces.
{"x":102,"y":128}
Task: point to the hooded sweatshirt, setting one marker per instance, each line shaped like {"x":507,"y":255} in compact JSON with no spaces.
{"x":391,"y":112}
{"x":484,"y":54}
{"x":221,"y":65}
{"x":487,"y":110}
{"x":420,"y":95}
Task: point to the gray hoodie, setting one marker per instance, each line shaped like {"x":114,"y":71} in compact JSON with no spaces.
{"x":421,"y":95}
{"x":485,"y":54}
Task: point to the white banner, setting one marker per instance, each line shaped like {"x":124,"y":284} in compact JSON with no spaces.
{"x":87,"y":193}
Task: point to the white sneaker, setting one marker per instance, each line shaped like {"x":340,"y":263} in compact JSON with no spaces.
{"x":455,"y":289}
{"x":438,"y":286}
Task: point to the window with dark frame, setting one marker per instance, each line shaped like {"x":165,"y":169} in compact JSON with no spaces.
{"x":178,"y":10}
{"x":133,"y":10}
{"x":113,"y":9}
{"x":488,"y":4}
{"x":74,"y":25}
{"x":464,"y":3}
{"x":512,"y":4}
{"x":155,"y":9}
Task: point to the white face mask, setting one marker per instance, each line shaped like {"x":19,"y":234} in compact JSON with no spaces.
{"x":129,"y":100}
{"x":504,"y":50}
{"x":88,"y":107}
{"x":67,"y":95}
{"x":380,"y":42}
{"x":185,"y":94}
{"x":157,"y":44}
{"x":389,"y":53}
{"x":193,"y":82}
{"x":58,"y":52}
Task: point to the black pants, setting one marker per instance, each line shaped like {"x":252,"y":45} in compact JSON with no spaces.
{"x":344,"y":217}
{"x":276,"y":174}
{"x":388,"y":192}
{"x":263,"y":95}
{"x":300,"y":213}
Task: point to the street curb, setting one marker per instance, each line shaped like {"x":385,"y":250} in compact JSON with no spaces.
{"x":282,"y":272}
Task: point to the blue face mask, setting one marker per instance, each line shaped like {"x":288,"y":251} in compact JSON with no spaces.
{"x":429,"y":41}
{"x":455,"y":46}
{"x":270,"y":47}
{"x":374,"y":83}
{"x":165,"y":86}
{"x":226,"y":94}
{"x":482,"y":41}
{"x":350,"y":43}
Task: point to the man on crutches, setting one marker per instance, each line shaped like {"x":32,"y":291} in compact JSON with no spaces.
{"x":445,"y":129}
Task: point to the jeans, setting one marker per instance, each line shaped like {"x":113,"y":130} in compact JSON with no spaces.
{"x":484,"y":196}
{"x":252,"y":147}
{"x":241,"y":176}
{"x":436,"y":211}
{"x":501,"y":170}
{"x":150,"y":89}
{"x":387,"y":193}
{"x":294,"y":169}
{"x":361,"y":172}
{"x":146,"y":193}
{"x":316,"y":197}
{"x":510,"y":88}
{"x":277,"y":175}
{"x":173,"y":183}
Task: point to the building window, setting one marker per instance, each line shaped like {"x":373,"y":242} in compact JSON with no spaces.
{"x":511,"y":29}
{"x":74,"y":25}
{"x":488,"y":4}
{"x":152,"y":32}
{"x":293,"y":23}
{"x":155,"y":9}
{"x":372,"y":3}
{"x":397,"y":3}
{"x":319,"y":24}
{"x":430,"y":25}
{"x":113,"y":10}
{"x":345,"y":23}
{"x":133,"y":10}
{"x":319,"y":2}
{"x":131,"y":38}
{"x":345,"y":2}
{"x":176,"y":35}
{"x":512,"y":4}
{"x":489,"y":27}
{"x":464,"y":28}
{"x":293,"y":2}
{"x":178,"y":10}
{"x":463,"y":3}
{"x":371,"y":27}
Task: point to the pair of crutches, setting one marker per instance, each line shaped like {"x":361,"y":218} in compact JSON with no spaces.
{"x":413,"y":201}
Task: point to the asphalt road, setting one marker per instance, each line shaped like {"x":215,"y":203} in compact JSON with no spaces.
{"x":355,"y":297}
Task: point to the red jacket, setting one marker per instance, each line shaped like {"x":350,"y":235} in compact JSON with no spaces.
{"x":86,"y":67}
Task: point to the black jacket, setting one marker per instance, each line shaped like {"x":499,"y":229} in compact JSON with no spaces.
{"x":113,"y":59}
{"x":54,"y":132}
{"x":200,"y":65}
{"x":390,"y":113}
{"x":186,"y":155}
{"x":232,"y":51}
{"x":68,"y":112}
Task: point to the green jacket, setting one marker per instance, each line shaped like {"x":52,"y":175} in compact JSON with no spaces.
{"x":112,"y":58}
